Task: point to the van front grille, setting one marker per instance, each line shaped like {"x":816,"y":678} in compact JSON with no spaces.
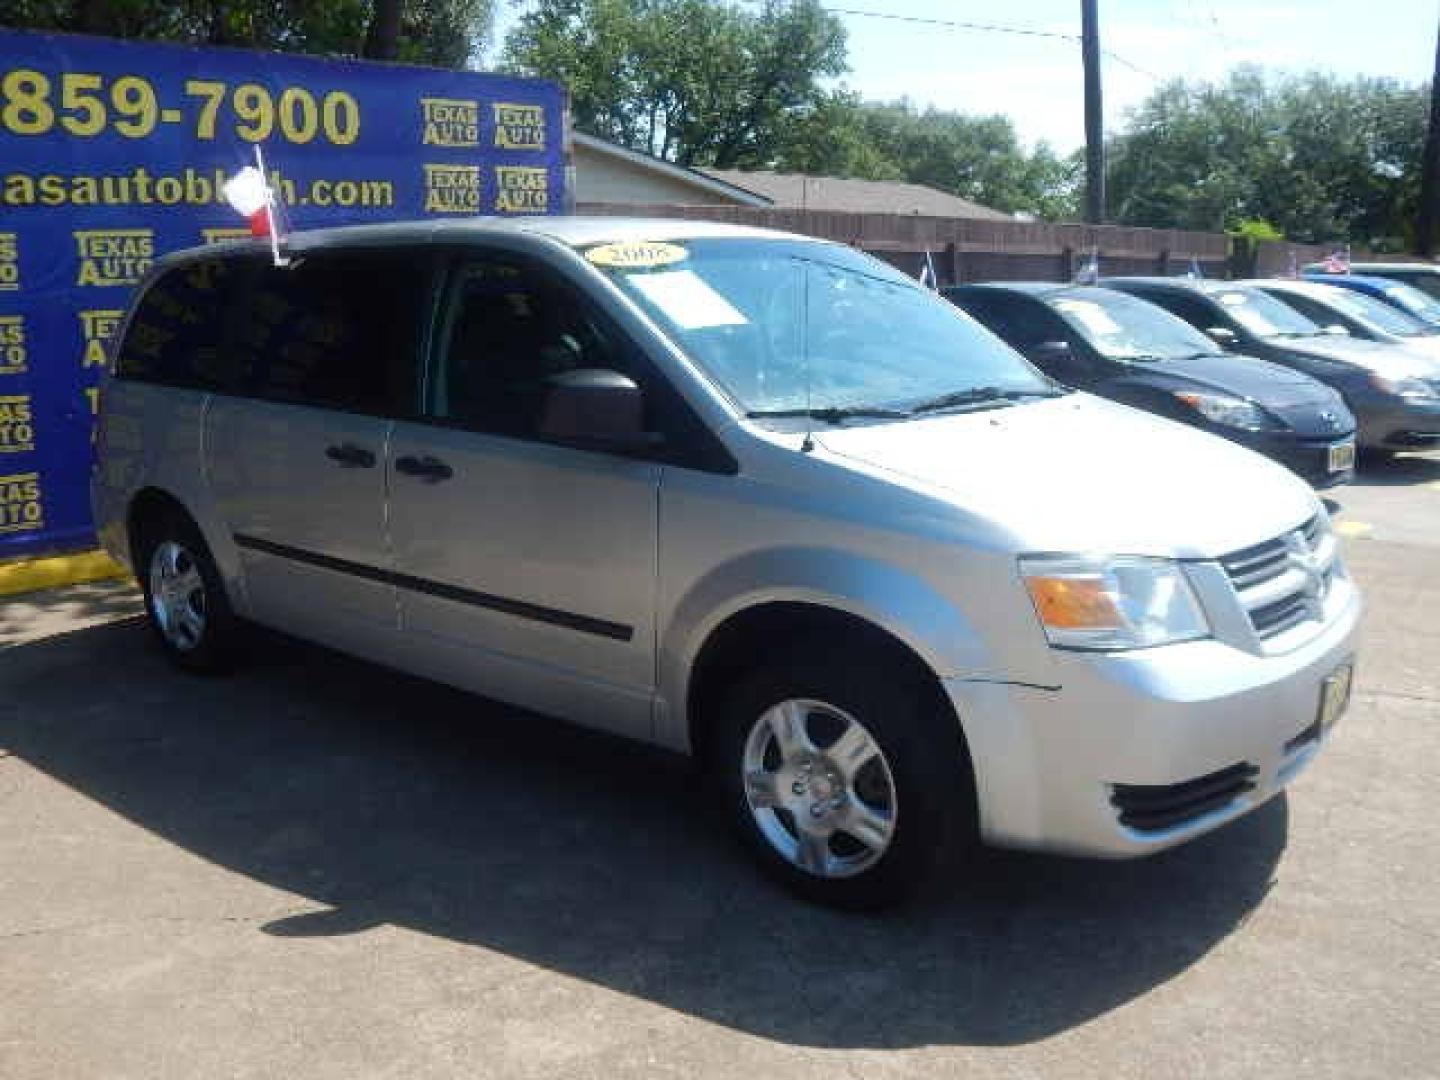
{"x":1283,"y":582}
{"x":1152,"y":807}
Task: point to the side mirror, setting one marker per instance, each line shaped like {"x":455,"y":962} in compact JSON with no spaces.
{"x":1222,"y":336}
{"x":1336,"y":330}
{"x":595,"y":409}
{"x":1049,"y":352}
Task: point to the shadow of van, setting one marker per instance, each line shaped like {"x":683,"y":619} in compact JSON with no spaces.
{"x":390,"y":800}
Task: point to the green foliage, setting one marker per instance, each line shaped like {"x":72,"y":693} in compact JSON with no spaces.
{"x":441,"y":32}
{"x":1319,"y":157}
{"x":705,"y":83}
{"x":1253,"y":229}
{"x":690,"y":81}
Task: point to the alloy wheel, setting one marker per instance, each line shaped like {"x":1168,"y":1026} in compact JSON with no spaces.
{"x":819,"y":788}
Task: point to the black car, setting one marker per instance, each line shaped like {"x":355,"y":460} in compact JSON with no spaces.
{"x":1393,"y":392}
{"x":1136,"y":353}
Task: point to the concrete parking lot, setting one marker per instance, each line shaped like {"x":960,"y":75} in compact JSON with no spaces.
{"x":317,"y":868}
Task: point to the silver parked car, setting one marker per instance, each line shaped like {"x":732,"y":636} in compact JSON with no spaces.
{"x":750,"y":496}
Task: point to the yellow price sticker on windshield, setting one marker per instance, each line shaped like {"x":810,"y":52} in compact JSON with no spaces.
{"x":636,"y":254}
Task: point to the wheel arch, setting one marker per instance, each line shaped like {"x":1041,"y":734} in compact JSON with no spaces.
{"x":152,"y":500}
{"x":147,"y":504}
{"x":764,"y":630}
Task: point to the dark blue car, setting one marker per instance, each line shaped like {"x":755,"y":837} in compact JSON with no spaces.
{"x":1130,"y":351}
{"x":1393,"y":391}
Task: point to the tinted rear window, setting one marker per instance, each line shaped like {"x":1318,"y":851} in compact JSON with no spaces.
{"x":336,"y":331}
{"x":176,"y":334}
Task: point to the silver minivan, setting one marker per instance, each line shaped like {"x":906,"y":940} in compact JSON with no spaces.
{"x":755,"y":497}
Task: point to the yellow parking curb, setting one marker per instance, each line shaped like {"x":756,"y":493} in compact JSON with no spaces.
{"x":1354,"y":529}
{"x":31,"y":575}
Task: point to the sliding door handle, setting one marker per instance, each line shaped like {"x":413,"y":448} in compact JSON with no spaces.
{"x":431,"y":470}
{"x":350,"y":456}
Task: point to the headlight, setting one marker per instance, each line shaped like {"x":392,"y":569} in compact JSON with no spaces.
{"x":1124,"y":602}
{"x":1230,"y":411}
{"x":1405,"y":388}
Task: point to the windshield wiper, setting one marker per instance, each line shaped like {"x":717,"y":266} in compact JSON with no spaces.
{"x":831,"y":414}
{"x":979,"y":395}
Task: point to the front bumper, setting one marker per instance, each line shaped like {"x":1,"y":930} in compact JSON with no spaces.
{"x":1047,"y":760}
{"x":1400,"y":425}
{"x":1307,"y":456}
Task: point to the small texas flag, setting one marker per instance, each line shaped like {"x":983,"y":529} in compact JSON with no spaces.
{"x":250,"y":195}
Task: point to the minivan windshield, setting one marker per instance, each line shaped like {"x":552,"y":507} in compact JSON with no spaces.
{"x":1125,"y":328}
{"x":789,"y":327}
{"x":1263,"y":315}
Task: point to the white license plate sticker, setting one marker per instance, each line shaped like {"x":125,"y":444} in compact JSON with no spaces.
{"x":1342,"y":457}
{"x":1335,"y":695}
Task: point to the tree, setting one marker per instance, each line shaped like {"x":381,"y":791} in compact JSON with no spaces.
{"x":442,"y":32}
{"x":976,"y":157}
{"x":690,"y":81}
{"x":705,"y":83}
{"x":1318,"y":157}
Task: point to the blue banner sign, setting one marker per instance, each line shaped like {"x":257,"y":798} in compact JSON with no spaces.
{"x":113,"y":153}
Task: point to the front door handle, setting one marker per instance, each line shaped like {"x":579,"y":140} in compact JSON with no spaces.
{"x":431,"y":470}
{"x":349,"y":456}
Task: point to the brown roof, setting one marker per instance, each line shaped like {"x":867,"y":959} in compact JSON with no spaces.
{"x":794,"y":191}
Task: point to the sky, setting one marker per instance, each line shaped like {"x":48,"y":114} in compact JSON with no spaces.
{"x":1036,"y":81}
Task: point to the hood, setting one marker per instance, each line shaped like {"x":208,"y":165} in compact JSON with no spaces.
{"x":1245,"y":376}
{"x":1427,"y":345}
{"x":1082,"y":474}
{"x":1392,"y":361}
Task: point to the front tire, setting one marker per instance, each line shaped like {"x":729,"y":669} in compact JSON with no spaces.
{"x":185,"y":600}
{"x":846,"y":776}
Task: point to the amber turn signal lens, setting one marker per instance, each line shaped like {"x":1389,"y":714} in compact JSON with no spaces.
{"x":1073,"y":603}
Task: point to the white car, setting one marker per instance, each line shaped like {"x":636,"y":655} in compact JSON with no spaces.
{"x":750,"y":496}
{"x":1355,"y":313}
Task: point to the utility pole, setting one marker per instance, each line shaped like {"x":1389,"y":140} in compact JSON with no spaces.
{"x":1430,"y":167}
{"x":1094,"y":114}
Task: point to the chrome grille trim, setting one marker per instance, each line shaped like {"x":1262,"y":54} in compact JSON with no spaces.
{"x":1282,"y":582}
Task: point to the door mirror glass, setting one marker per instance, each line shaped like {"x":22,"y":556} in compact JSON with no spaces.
{"x":595,"y":408}
{"x":1221,"y":335}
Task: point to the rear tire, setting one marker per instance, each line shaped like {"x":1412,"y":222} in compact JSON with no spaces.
{"x":185,"y":600}
{"x":845,"y":775}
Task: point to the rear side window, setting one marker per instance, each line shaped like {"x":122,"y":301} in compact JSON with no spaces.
{"x":335,"y":331}
{"x":176,"y":335}
{"x":1308,"y":307}
{"x":1022,"y":323}
{"x":1197,"y":313}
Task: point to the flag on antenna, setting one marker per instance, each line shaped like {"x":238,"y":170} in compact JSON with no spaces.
{"x":1338,"y":261}
{"x":927,"y":273}
{"x":249,"y":194}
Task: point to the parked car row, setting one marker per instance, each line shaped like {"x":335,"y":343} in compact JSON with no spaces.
{"x":1301,"y":371}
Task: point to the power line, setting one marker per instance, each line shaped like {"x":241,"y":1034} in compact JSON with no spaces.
{"x":992,"y":28}
{"x":955,"y":24}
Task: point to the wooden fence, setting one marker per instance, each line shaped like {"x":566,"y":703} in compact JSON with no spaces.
{"x":964,"y":249}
